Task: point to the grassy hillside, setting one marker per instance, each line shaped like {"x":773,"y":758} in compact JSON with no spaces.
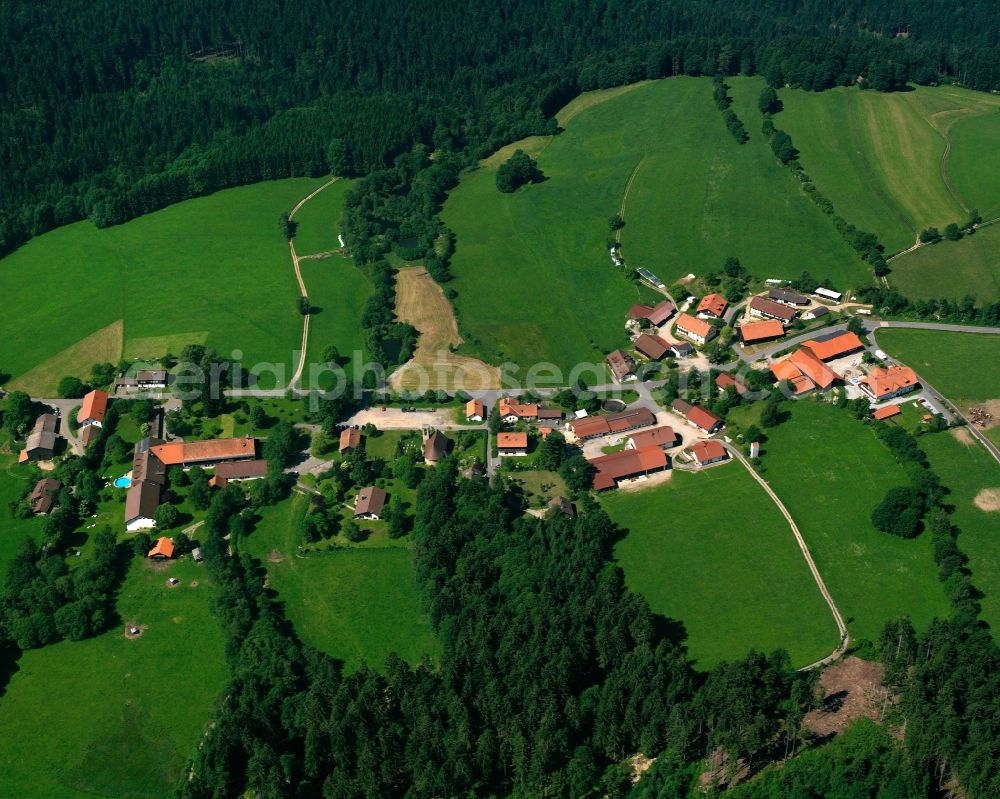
{"x":116,"y":717}
{"x":214,"y":270}
{"x":532,"y":270}
{"x":319,"y":219}
{"x":953,"y":268}
{"x":878,"y":157}
{"x":713,"y":552}
{"x":966,"y":469}
{"x":357,"y":604}
{"x":831,"y":471}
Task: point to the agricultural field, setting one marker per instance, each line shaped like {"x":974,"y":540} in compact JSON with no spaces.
{"x":972,"y":478}
{"x":962,"y":366}
{"x":533,"y":276}
{"x":355,"y":603}
{"x":897,"y":163}
{"x":319,"y":219}
{"x":831,"y":471}
{"x":213,"y":270}
{"x":110,"y":716}
{"x":953,"y":269}
{"x":729,"y":571}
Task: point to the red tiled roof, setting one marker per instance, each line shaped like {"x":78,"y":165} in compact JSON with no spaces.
{"x":888,"y":381}
{"x":706,"y":420}
{"x":699,"y":327}
{"x":163,"y":548}
{"x":761,"y":331}
{"x":813,"y":368}
{"x":94,"y":408}
{"x":725,"y":380}
{"x":350,"y":438}
{"x":512,"y":440}
{"x":887,"y":412}
{"x":613,"y":423}
{"x":627,"y":463}
{"x":663,"y":436}
{"x":834,"y":347}
{"x":511,"y":407}
{"x":714,"y":304}
{"x":474,"y":408}
{"x":201,"y":451}
{"x":705,"y":451}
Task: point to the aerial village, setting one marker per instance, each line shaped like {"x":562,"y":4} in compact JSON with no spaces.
{"x":651,"y":416}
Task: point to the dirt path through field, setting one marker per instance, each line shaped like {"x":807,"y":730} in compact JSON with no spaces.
{"x":421,"y":302}
{"x":300,"y":367}
{"x":837,"y":617}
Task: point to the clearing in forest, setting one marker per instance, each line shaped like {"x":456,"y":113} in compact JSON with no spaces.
{"x":534,"y":279}
{"x":421,"y":302}
{"x":729,"y":571}
{"x":897,"y":163}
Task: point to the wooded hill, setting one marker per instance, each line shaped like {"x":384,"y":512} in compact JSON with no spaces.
{"x":111,"y":112}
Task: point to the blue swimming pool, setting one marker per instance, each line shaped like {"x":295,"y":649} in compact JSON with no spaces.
{"x":123,"y":482}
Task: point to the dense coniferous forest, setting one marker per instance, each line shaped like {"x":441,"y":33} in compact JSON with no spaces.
{"x":110,"y":110}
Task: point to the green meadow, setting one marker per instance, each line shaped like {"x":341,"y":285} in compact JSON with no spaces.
{"x":966,"y":469}
{"x":713,"y":552}
{"x":831,"y":471}
{"x":953,"y":269}
{"x":319,"y":220}
{"x":881,"y":158}
{"x":960,"y":365}
{"x":110,"y":716}
{"x":533,"y":274}
{"x":355,"y":603}
{"x":212,"y":270}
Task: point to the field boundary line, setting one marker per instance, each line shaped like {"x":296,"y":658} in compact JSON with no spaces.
{"x":834,"y":610}
{"x":628,"y":188}
{"x":297,"y":376}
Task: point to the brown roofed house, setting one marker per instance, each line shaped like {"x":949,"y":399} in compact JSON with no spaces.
{"x":237,"y":471}
{"x":435,"y":446}
{"x":549,"y":414}
{"x":661,"y":312}
{"x":350,"y":440}
{"x":725,"y":380}
{"x":562,"y":505}
{"x":621,"y":365}
{"x":40,"y":444}
{"x":713,"y":305}
{"x":141,"y":503}
{"x":787,"y":297}
{"x":512,"y":443}
{"x":369,"y":503}
{"x":44,"y":495}
{"x":630,"y":419}
{"x":639,"y":311}
{"x":768,"y":309}
{"x":611,"y":469}
{"x":653,"y":347}
{"x":94,"y":408}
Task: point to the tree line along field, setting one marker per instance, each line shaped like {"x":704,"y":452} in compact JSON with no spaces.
{"x":831,"y":471}
{"x":969,"y":473}
{"x":714,"y":553}
{"x":885,"y":162}
{"x":110,"y":716}
{"x":356,"y":604}
{"x":213,"y":270}
{"x":532,"y":271}
{"x":953,"y":269}
{"x":962,"y":366}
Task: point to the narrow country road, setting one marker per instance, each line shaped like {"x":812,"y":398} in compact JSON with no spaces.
{"x":837,"y":617}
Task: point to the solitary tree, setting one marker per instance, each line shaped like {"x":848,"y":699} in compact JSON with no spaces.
{"x":71,"y":387}
{"x":166,"y":516}
{"x":519,"y":169}
{"x":768,"y":102}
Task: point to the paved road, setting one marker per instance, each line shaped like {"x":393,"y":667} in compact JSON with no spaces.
{"x":837,"y":617}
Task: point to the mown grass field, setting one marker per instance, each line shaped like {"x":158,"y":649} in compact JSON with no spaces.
{"x":713,"y":552}
{"x":533,"y":275}
{"x":319,"y":219}
{"x":213,"y":270}
{"x":962,"y":366}
{"x":357,"y":604}
{"x":115,"y":717}
{"x":953,"y":268}
{"x":831,"y":472}
{"x":878,"y":157}
{"x":966,"y":469}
